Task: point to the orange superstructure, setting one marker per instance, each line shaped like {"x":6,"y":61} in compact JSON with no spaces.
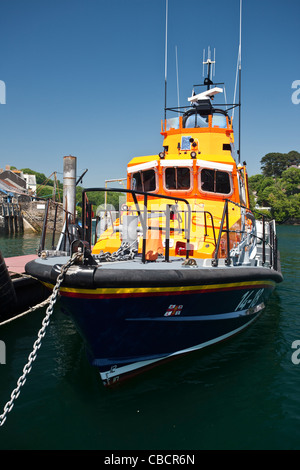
{"x":198,"y":164}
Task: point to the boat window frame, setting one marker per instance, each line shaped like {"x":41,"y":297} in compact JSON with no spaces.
{"x":242,"y":187}
{"x":214,"y":193}
{"x":140,"y":171}
{"x":176,"y":167}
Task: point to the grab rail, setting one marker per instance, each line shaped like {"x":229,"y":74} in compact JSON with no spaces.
{"x":272,"y":238}
{"x":65,"y":235}
{"x":142,"y":217}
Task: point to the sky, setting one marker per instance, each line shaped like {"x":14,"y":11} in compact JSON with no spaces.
{"x":86,"y":78}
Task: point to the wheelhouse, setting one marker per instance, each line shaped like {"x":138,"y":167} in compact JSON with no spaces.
{"x":198,"y":157}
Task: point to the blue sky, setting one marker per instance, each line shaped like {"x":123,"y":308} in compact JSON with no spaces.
{"x":86,"y":77}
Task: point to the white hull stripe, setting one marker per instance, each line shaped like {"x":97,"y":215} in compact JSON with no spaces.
{"x":117,"y":371}
{"x":218,"y":316}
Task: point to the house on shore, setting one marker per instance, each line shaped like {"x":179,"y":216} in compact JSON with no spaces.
{"x":15,"y":186}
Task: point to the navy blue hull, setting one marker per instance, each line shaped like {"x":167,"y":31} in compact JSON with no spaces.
{"x":134,"y":315}
{"x":126,"y":334}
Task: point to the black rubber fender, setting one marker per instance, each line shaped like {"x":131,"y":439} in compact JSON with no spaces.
{"x":8,"y":297}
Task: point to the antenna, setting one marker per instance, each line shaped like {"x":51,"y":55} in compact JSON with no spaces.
{"x":166,"y":58}
{"x":239,"y":59}
{"x":240,"y":78}
{"x":210,"y":67}
{"x":225,"y":97}
{"x":177,"y":78}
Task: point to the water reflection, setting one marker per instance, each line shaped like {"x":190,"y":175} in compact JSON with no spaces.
{"x":19,"y":244}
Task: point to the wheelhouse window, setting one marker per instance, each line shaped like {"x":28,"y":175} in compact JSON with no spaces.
{"x":144,"y":181}
{"x":215,"y":181}
{"x":177,"y":178}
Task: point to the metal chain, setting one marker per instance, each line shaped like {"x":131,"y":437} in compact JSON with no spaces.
{"x":37,"y":344}
{"x":124,"y":253}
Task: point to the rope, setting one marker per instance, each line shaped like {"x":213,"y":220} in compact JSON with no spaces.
{"x":30,"y":309}
{"x":37,"y":344}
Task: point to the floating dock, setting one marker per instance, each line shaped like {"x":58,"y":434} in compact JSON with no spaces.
{"x":16,"y":264}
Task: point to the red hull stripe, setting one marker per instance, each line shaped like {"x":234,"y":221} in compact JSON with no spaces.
{"x":151,"y":292}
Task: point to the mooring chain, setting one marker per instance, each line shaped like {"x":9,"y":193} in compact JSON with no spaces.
{"x":37,"y":344}
{"x":124,"y":253}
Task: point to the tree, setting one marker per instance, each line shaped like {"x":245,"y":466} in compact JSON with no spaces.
{"x":273,"y":164}
{"x":291,"y":181}
{"x":281,"y":194}
{"x":293,"y":158}
{"x":97,"y":198}
{"x":255,"y":181}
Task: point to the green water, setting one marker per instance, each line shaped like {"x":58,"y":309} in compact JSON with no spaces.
{"x":243,"y":394}
{"x":19,"y":244}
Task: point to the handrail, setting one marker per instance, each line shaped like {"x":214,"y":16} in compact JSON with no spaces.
{"x":272,"y":242}
{"x":65,"y":233}
{"x":207,"y":213}
{"x":143,"y":218}
{"x":44,"y":230}
{"x":212,"y":224}
{"x":225,"y":214}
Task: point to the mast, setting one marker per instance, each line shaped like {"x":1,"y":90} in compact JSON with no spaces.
{"x":177,"y":78}
{"x":210,"y":67}
{"x":166,"y":58}
{"x":240,"y":104}
{"x":240,"y":78}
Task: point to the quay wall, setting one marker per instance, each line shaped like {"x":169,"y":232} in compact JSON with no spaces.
{"x":27,"y":216}
{"x":33,"y":213}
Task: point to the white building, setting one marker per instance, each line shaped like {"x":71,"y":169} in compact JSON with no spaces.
{"x":30,"y":183}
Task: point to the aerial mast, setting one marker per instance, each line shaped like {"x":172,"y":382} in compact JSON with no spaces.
{"x":166,"y":58}
{"x":210,"y":67}
{"x":240,"y":77}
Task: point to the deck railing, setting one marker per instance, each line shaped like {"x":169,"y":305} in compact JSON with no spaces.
{"x":56,"y":231}
{"x":247,"y":236}
{"x":271,"y":243}
{"x":142,"y":215}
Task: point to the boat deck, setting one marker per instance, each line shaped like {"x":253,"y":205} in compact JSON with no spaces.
{"x":136,"y":263}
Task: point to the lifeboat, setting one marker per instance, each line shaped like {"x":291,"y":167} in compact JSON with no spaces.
{"x":181,"y":264}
